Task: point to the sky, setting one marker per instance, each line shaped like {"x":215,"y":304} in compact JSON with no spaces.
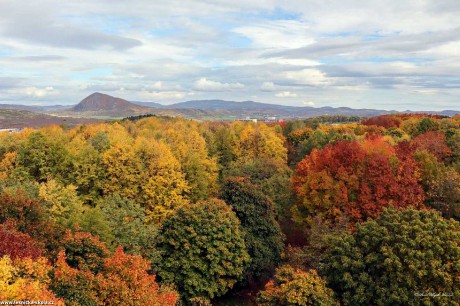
{"x":386,"y":54}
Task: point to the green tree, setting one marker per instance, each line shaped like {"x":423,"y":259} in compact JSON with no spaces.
{"x":444,"y":193}
{"x":88,"y":172}
{"x":202,"y":249}
{"x":427,"y":124}
{"x":262,"y":234}
{"x":453,"y":141}
{"x":129,"y":225}
{"x":397,"y":259}
{"x":95,"y":222}
{"x":225,"y":145}
{"x":100,"y":141}
{"x":272,"y":178}
{"x":320,"y":237}
{"x":44,"y":158}
{"x":84,"y":251}
{"x":64,"y":207}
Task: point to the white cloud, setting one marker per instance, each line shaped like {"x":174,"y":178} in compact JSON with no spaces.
{"x":35,"y":92}
{"x":312,"y":77}
{"x":425,"y":91}
{"x":293,"y":61}
{"x":278,"y":34}
{"x":286,"y":94}
{"x":309,"y":103}
{"x":157,"y":85}
{"x":163,"y":95}
{"x":449,"y":49}
{"x":203,"y":84}
{"x":353,"y":87}
{"x":268,"y":86}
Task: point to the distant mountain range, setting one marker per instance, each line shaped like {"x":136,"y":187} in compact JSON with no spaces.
{"x":98,"y":105}
{"x":272,"y":109}
{"x":257,"y":108}
{"x":34,"y":108}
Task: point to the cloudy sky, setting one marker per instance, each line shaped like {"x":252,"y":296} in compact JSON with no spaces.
{"x":387,"y":54}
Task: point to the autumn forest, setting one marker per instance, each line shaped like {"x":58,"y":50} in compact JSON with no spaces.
{"x":331,"y":210}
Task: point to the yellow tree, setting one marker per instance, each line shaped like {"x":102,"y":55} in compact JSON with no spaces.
{"x":147,"y":172}
{"x":61,"y":202}
{"x":7,"y":165}
{"x":189,"y":147}
{"x":123,"y":170}
{"x":25,"y":280}
{"x":259,"y":141}
{"x":292,"y":286}
{"x":163,"y":186}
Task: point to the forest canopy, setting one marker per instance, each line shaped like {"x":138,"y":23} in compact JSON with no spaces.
{"x":162,"y":211}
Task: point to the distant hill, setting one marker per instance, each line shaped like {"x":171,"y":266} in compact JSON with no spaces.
{"x":229,"y":105}
{"x":105,"y":105}
{"x":14,"y":118}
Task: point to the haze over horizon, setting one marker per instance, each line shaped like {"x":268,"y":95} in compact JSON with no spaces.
{"x":387,"y":55}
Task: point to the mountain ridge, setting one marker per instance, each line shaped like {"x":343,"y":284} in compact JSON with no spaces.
{"x":291,"y":111}
{"x":103,"y":105}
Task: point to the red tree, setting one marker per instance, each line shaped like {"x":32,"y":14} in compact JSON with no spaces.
{"x":434,"y":142}
{"x":355,"y":180}
{"x":387,"y":121}
{"x":16,"y":244}
{"x":28,"y":216}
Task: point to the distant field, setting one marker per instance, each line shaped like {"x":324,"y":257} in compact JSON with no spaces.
{"x":11,"y":118}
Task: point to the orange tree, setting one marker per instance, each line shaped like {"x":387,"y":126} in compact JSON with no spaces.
{"x":86,"y":274}
{"x":124,"y":280}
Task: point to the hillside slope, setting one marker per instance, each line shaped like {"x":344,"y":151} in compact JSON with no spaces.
{"x":104,"y":105}
{"x":13,"y":118}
